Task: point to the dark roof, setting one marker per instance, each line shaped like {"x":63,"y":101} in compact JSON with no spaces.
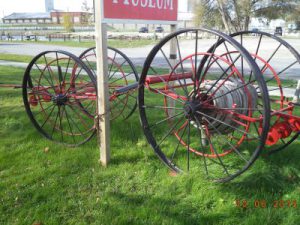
{"x":14,"y":16}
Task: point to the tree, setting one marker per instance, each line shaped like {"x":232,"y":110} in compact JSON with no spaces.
{"x":205,"y":14}
{"x":68,"y":22}
{"x":236,"y":14}
{"x":86,"y":18}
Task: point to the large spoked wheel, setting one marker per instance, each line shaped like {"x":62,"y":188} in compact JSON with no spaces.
{"x":59,"y":94}
{"x":122,"y":78}
{"x":200,"y":112}
{"x":279,"y":63}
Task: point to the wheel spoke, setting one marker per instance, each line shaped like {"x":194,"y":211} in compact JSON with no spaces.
{"x":169,"y":132}
{"x":215,"y":151}
{"x":166,"y":119}
{"x":219,"y":121}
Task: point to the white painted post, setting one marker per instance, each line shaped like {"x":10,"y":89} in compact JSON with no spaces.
{"x":297,"y":93}
{"x":173,"y":62}
{"x":102,"y":85}
{"x":173,"y":47}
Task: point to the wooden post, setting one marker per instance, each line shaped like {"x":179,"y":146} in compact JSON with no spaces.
{"x":102,"y":85}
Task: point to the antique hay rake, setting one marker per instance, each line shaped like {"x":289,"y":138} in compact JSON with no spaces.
{"x":212,"y":107}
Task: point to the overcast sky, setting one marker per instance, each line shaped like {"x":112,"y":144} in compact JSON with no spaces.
{"x":9,"y":6}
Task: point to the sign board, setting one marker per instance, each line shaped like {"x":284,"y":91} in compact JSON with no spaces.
{"x":140,"y":11}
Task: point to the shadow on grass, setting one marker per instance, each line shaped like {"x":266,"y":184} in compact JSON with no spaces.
{"x":270,"y":176}
{"x":148,"y":209}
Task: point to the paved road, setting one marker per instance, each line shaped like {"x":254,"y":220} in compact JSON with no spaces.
{"x":138,"y":55}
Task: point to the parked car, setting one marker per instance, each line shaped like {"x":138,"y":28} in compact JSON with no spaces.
{"x":143,"y":30}
{"x":278,"y":31}
{"x":255,"y":30}
{"x":159,"y":29}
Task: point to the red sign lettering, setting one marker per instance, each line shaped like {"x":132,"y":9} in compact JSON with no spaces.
{"x":164,"y":10}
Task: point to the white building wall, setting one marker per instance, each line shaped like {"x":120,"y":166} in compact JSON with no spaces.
{"x":185,"y":10}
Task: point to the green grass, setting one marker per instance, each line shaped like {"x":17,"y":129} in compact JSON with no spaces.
{"x":15,"y":57}
{"x":88,"y":44}
{"x":68,"y":186}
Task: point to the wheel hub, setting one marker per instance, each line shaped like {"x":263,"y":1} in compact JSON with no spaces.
{"x":60,"y":99}
{"x":191,"y":108}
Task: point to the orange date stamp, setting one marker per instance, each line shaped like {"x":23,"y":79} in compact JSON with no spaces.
{"x":262,"y":203}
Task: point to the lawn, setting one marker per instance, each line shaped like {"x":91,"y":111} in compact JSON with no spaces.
{"x":88,"y":44}
{"x":46,"y":183}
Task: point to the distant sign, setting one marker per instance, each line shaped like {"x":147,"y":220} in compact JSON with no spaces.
{"x":156,"y":11}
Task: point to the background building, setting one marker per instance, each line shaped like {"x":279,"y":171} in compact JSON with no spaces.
{"x":51,"y":16}
{"x":27,"y":18}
